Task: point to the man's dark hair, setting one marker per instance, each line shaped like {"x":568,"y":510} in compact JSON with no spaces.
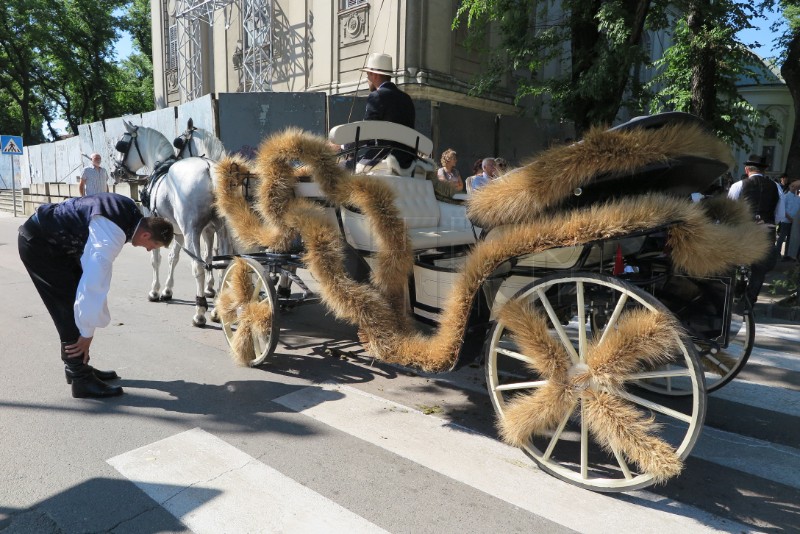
{"x":160,"y":228}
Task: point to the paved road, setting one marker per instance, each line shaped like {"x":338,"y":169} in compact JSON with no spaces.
{"x":325,"y":440}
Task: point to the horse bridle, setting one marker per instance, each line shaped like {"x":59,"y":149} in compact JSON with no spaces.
{"x":121,"y":170}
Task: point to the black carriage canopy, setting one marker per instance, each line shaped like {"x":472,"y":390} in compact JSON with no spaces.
{"x":679,"y":175}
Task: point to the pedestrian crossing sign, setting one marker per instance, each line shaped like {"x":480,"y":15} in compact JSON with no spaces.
{"x":11,"y":144}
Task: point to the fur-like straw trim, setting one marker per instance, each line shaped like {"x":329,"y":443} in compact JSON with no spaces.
{"x":704,"y":239}
{"x":528,"y":192}
{"x":642,"y":340}
{"x":700,"y":245}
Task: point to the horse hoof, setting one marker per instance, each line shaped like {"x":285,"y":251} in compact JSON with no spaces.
{"x":152,"y":297}
{"x":210,"y":293}
{"x":199,"y":324}
{"x":215,"y":317}
{"x":166,"y":297}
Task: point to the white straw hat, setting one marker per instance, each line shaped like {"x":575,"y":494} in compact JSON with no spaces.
{"x":379,"y":64}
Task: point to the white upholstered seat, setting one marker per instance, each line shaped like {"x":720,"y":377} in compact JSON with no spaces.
{"x":430,"y":223}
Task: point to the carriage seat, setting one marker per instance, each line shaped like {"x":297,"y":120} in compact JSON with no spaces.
{"x":362,"y":131}
{"x":430,"y":223}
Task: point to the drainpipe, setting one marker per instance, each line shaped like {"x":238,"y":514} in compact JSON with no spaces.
{"x":413,"y":33}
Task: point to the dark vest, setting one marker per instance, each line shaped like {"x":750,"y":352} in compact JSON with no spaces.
{"x":761,"y":194}
{"x":66,"y":224}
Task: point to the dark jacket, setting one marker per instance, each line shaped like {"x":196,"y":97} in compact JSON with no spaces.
{"x":388,"y":103}
{"x":66,"y":224}
{"x":762,"y":195}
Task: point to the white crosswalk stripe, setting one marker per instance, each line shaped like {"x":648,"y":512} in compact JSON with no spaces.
{"x":214,"y":487}
{"x":211,"y":486}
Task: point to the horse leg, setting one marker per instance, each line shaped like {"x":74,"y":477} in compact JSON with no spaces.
{"x":169,"y":283}
{"x":224,"y":248}
{"x":199,"y":272}
{"x":155,"y":261}
{"x":208,"y":239}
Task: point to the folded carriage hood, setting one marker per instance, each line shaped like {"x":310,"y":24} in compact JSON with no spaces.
{"x":672,"y":153}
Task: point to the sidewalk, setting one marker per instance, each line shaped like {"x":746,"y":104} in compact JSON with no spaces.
{"x":768,"y":306}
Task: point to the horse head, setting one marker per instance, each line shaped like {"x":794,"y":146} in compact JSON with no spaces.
{"x":184,"y":141}
{"x":138,"y":147}
{"x":196,"y":142}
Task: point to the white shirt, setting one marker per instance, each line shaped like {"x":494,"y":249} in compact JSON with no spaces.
{"x":791,"y":203}
{"x":91,"y":301}
{"x":736,"y":190}
{"x":96,"y":180}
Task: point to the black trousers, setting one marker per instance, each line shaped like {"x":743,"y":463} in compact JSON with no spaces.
{"x":758,"y":272}
{"x":55,"y":276}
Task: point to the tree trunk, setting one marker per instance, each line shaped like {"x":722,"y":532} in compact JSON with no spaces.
{"x":704,"y":68}
{"x":790,"y":71}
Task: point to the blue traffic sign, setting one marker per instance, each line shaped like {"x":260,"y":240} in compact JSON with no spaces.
{"x":11,"y":144}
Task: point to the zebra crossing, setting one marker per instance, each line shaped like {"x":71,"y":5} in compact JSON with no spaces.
{"x":210,"y":482}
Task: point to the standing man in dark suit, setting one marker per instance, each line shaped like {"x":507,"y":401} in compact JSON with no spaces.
{"x":387,"y":103}
{"x":766,"y":204}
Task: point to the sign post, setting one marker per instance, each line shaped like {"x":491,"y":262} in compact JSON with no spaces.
{"x":12,"y":145}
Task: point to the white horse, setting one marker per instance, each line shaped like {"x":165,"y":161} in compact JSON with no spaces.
{"x":184,"y":195}
{"x":196,"y":142}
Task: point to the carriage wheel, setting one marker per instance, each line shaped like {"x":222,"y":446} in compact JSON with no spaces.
{"x":720,"y":364}
{"x":251,"y":321}
{"x":562,"y":391}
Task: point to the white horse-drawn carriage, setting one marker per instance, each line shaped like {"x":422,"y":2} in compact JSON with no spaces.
{"x":602,"y":301}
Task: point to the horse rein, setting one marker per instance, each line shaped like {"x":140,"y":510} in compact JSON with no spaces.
{"x":126,"y":150}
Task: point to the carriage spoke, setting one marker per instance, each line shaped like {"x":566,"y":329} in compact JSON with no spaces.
{"x":256,"y":288}
{"x":717,"y":363}
{"x":562,"y":334}
{"x":623,"y":299}
{"x":258,"y":346}
{"x":584,"y":442}
{"x":522,"y":385}
{"x":686,"y":418}
{"x":560,"y":430}
{"x":621,"y":462}
{"x":581,"y":322}
{"x":665,"y":373}
{"x":513,"y":354}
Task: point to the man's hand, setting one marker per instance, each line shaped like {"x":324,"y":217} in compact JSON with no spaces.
{"x":79,"y":347}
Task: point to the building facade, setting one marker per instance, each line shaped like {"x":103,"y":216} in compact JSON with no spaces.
{"x":221,"y":46}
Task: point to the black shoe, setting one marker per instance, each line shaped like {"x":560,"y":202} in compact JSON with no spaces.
{"x":91,"y":387}
{"x":85,"y":385}
{"x":102,"y":375}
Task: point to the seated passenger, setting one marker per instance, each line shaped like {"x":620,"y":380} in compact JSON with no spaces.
{"x":448,"y":173}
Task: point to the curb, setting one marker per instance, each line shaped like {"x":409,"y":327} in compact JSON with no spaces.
{"x":769,"y":310}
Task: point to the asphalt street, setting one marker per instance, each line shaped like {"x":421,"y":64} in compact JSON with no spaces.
{"x":324,"y":439}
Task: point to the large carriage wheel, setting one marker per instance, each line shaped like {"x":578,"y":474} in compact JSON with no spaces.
{"x":562,"y":392}
{"x":251,"y":326}
{"x":720,"y":364}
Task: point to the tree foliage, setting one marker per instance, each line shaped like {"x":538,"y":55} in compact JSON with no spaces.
{"x":596,"y":42}
{"x":57,"y":62}
{"x":790,"y":70}
{"x":699,"y":73}
{"x":598,"y":46}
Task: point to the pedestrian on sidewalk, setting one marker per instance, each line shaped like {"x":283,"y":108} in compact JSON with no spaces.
{"x":763,"y":196}
{"x":93,"y":179}
{"x":68,"y":250}
{"x":793,"y":213}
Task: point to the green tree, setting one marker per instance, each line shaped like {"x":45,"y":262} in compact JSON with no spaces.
{"x":790,"y":70}
{"x":57,"y":62}
{"x":604,"y":39}
{"x":137,"y":22}
{"x":699,"y":73}
{"x":135,"y":86}
{"x":19,"y":70}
